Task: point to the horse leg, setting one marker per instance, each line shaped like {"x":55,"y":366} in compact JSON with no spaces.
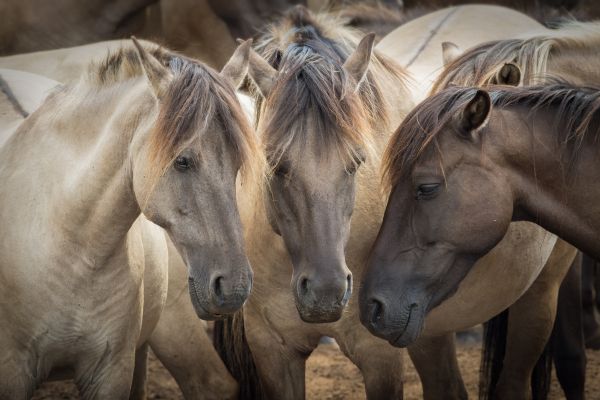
{"x":379,"y":363}
{"x":140,"y":374}
{"x":589,"y":300}
{"x":108,"y":375}
{"x":530,"y":323}
{"x":436,"y":363}
{"x":569,"y":344}
{"x":184,"y":348}
{"x":280,"y":361}
{"x":16,"y":379}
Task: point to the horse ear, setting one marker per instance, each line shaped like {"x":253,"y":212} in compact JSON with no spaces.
{"x":158,"y":75}
{"x":450,"y":52}
{"x":476,"y":112}
{"x":236,"y":68}
{"x":358,"y":62}
{"x":261,"y":72}
{"x":509,"y":74}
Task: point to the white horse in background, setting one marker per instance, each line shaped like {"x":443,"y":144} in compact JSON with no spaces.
{"x":455,"y":28}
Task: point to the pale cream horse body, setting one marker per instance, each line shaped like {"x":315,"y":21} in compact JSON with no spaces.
{"x":416,"y":45}
{"x":528,"y":265}
{"x":69,"y":341}
{"x":179,"y":339}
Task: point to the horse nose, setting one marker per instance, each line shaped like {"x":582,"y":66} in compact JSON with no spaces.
{"x":322,"y":300}
{"x":228,"y":294}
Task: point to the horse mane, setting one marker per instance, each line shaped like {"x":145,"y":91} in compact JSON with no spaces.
{"x":195,"y":97}
{"x":309,"y":50}
{"x":478,"y":65}
{"x":575,"y":109}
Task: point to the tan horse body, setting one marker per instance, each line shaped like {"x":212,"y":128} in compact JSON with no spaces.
{"x":280,"y":341}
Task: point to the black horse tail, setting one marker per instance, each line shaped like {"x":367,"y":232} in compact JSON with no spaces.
{"x":492,"y":360}
{"x":542,"y":372}
{"x":492,"y":354}
{"x":229,"y":339}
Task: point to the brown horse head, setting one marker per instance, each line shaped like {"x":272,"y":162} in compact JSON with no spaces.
{"x":460,"y":172}
{"x":316,"y":106}
{"x":430,"y":236}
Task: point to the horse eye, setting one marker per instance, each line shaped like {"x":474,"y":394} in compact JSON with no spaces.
{"x":182,"y":163}
{"x":358,"y":160}
{"x":351,"y":170}
{"x":427,"y":191}
{"x":281,"y":170}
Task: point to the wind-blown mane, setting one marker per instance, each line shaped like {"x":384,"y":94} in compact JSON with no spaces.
{"x":309,"y":51}
{"x":195,"y":96}
{"x":575,"y":110}
{"x":478,"y":65}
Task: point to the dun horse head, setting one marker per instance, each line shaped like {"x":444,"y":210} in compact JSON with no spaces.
{"x":184,"y":174}
{"x":315,"y":128}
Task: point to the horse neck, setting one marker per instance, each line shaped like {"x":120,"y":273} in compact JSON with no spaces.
{"x":83,"y":137}
{"x":370,"y":202}
{"x":551,"y":188}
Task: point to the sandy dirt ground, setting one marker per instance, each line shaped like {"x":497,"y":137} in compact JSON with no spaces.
{"x":330,"y":376}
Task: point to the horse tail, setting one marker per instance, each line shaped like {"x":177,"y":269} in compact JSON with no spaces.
{"x":229,"y":339}
{"x":492,"y":359}
{"x":492,"y":354}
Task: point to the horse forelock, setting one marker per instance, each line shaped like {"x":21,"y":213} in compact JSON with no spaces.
{"x":195,"y":97}
{"x":312,"y":88}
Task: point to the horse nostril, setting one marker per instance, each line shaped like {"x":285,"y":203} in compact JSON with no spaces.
{"x":348,"y":291}
{"x":376,"y":308}
{"x":304,"y":286}
{"x":218,"y":287}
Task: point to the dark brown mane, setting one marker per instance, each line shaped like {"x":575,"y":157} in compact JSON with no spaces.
{"x":309,"y":51}
{"x":575,"y":108}
{"x":195,"y":97}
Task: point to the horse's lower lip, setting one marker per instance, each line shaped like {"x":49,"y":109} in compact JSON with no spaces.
{"x":398,"y":340}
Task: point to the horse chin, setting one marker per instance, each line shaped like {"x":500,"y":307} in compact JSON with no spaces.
{"x":412,"y":330}
{"x":320,"y":316}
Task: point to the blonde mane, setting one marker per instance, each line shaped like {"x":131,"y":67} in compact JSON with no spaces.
{"x":479,"y":65}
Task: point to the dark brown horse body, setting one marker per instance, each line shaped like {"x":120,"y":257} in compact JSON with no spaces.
{"x":474,"y":163}
{"x":571,"y":54}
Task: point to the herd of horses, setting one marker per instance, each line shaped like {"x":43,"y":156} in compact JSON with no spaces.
{"x":407,"y":190}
